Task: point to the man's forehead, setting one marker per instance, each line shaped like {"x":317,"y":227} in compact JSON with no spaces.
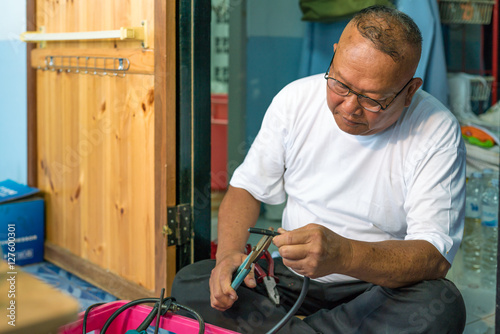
{"x":352,"y":41}
{"x":367,"y":70}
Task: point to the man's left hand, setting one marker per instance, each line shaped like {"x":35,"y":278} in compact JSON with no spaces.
{"x":314,"y":250}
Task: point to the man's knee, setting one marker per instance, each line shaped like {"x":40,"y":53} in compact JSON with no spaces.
{"x":438,"y":308}
{"x":196,"y":271}
{"x":192,"y":279}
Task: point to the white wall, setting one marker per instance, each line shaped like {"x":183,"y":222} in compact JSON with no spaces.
{"x":13,"y":120}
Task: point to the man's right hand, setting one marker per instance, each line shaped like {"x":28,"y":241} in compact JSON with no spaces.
{"x":238,"y":211}
{"x":222,"y":295}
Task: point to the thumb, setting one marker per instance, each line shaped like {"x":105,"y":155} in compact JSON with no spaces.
{"x":281,"y":230}
{"x":280,"y":240}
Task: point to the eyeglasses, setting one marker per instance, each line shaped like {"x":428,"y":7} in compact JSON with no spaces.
{"x":366,"y":102}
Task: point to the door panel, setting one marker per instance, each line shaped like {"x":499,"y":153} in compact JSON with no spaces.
{"x":105,"y":161}
{"x":96,"y":153}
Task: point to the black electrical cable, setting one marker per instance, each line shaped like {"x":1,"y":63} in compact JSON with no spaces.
{"x":153,"y":300}
{"x":294,"y":309}
{"x":303,"y":292}
{"x":147,"y":321}
{"x":85,"y":316}
{"x":197,"y":316}
{"x":159,"y":310}
{"x":149,"y":318}
{"x":123,"y":308}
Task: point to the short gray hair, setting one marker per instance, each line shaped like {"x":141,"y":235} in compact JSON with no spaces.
{"x":389,"y":29}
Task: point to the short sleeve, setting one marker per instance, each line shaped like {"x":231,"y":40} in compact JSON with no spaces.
{"x":436,"y":198}
{"x":261,"y":173}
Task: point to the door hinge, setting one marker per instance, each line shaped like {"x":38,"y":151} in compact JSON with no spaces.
{"x":178,"y":228}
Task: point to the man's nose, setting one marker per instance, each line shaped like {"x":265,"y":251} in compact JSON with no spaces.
{"x":351,"y":105}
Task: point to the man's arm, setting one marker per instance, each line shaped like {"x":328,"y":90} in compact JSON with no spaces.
{"x":396,"y":263}
{"x":239,"y":211}
{"x":316,"y":251}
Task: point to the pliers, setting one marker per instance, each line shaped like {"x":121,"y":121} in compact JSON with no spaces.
{"x":255,"y":254}
{"x":268,"y":278}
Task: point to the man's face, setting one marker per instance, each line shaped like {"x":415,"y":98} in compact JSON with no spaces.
{"x":370,"y":72}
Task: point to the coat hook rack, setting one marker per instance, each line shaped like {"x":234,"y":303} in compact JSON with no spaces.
{"x":102,"y":66}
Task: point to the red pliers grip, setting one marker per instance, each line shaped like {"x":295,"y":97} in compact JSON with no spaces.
{"x":261,"y":273}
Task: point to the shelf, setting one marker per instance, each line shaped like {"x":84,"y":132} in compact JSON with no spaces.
{"x":124,"y":33}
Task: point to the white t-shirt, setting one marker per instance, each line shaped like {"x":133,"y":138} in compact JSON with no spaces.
{"x":405,"y":183}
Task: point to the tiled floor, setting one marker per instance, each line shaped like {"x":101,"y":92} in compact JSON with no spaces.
{"x":85,"y":293}
{"x":479,"y":302}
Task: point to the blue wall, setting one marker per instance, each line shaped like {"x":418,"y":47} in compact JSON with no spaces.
{"x":272,"y":64}
{"x":13,"y":120}
{"x":275,"y":37}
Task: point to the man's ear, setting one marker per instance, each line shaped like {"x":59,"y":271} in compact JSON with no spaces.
{"x":412,"y":89}
{"x":335,"y":47}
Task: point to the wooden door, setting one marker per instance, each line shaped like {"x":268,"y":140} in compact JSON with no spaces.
{"x":102,"y":143}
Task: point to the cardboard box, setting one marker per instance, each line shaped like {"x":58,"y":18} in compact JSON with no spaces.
{"x":22,"y":223}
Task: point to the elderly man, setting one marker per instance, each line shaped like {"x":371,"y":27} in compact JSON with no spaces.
{"x":375,"y":198}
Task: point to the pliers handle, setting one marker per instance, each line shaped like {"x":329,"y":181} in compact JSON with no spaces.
{"x":252,"y":257}
{"x":260,"y":273}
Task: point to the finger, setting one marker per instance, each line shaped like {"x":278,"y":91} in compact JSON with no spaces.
{"x":221,"y":299}
{"x":222,"y":296}
{"x":225,"y":281}
{"x":300,"y":267}
{"x":281,"y":230}
{"x":294,"y":252}
{"x":295,"y":237}
{"x":250,"y":279}
{"x":280,"y":239}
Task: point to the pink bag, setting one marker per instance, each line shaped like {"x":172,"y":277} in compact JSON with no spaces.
{"x":132,"y":317}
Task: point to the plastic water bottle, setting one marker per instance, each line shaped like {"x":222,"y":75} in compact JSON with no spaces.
{"x":471,"y":243}
{"x":489,"y":226}
{"x":488,"y":175}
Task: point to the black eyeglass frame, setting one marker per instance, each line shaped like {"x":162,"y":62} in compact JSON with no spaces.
{"x":349,"y":90}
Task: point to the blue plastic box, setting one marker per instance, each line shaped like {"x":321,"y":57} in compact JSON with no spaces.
{"x":22,"y":223}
